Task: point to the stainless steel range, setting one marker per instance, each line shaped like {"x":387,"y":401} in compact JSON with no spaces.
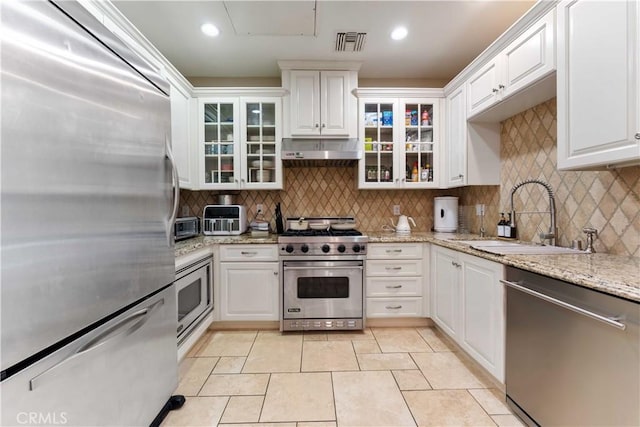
{"x":322,"y":270}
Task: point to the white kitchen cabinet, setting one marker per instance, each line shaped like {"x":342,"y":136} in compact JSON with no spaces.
{"x":472,"y":150}
{"x":321,"y":103}
{"x":468,"y":305}
{"x":399,"y":133}
{"x":239,"y":143}
{"x":249,"y":282}
{"x":182,"y":143}
{"x":529,"y":58}
{"x":598,"y":84}
{"x":395,"y":282}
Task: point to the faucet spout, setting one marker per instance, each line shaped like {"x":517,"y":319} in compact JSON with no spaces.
{"x":552,"y":234}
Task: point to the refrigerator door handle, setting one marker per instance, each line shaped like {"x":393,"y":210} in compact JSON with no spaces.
{"x":113,"y":334}
{"x":176,"y":192}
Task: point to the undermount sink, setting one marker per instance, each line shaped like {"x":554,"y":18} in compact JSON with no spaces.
{"x":501,"y":247}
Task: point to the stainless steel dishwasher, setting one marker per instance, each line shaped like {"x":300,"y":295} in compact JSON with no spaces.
{"x":572,"y":354}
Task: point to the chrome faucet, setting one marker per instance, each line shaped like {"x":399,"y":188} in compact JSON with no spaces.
{"x":553,"y":232}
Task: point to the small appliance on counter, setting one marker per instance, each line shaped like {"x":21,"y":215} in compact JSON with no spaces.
{"x":186,"y":228}
{"x":224,"y":220}
{"x":445,"y":214}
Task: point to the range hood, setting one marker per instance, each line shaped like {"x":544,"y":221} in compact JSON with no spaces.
{"x":320,"y":152}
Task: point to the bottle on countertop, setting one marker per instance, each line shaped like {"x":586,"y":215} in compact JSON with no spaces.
{"x":414,"y":173}
{"x":501,"y":225}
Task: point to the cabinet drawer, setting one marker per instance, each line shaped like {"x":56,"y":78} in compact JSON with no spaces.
{"x":392,"y":268}
{"x":394,"y":286}
{"x":394,"y":307}
{"x":248,"y":252}
{"x":394,"y":251}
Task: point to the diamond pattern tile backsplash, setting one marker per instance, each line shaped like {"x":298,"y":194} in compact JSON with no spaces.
{"x":606,"y":200}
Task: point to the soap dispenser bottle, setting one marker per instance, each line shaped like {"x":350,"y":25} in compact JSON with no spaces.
{"x":501,"y":225}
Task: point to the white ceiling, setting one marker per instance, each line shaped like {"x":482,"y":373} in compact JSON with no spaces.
{"x":444,"y":36}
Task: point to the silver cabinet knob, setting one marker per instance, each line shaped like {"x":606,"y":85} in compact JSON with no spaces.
{"x":317,"y":125}
{"x":638,"y":135}
{"x":494,"y":90}
{"x":324,"y":126}
{"x":500,"y":86}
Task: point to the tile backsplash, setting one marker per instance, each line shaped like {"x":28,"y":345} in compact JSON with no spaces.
{"x":606,"y":200}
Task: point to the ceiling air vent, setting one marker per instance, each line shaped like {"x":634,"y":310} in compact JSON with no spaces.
{"x":350,"y":42}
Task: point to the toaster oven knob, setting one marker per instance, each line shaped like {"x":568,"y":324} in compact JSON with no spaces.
{"x":341,"y":248}
{"x":356,"y":248}
{"x":289,"y":248}
{"x":325,"y":248}
{"x":304,"y":248}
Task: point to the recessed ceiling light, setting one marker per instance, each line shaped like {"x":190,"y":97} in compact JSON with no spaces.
{"x":399,"y":33}
{"x":210,"y":30}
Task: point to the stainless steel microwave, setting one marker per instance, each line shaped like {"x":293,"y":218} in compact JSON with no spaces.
{"x":186,"y":228}
{"x":224,"y":220}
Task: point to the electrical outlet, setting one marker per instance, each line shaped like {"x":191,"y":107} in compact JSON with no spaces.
{"x":479,"y":210}
{"x":185,"y":210}
{"x":396,"y":209}
{"x":259,"y":208}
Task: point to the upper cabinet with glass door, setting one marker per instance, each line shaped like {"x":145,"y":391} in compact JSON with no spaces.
{"x":401,"y":141}
{"x":261,"y":138}
{"x":217,"y":136}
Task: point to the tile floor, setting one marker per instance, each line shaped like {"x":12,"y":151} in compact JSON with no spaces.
{"x":375,"y":377}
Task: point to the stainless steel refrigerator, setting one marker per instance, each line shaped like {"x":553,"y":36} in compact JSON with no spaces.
{"x":88,"y":305}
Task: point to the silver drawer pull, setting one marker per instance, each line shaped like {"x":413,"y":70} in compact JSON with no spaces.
{"x":608,"y":320}
{"x":249,"y":253}
{"x":393,"y":268}
{"x":393,"y":307}
{"x":394,"y":251}
{"x":394,"y":287}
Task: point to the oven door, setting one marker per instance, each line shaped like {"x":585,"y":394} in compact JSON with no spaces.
{"x":195,"y":297}
{"x":322,"y":289}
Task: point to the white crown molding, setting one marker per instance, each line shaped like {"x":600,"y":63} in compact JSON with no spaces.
{"x":200,"y":92}
{"x":393,"y":92}
{"x":320,"y":65}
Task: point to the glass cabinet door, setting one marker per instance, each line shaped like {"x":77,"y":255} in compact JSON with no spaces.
{"x":260,"y":142}
{"x":219,"y":143}
{"x":378,"y":142}
{"x":418,"y":143}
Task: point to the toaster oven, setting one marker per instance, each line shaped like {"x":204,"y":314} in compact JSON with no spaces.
{"x":185,"y":228}
{"x":224,"y":220}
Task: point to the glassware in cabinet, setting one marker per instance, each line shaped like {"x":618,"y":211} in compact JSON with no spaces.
{"x":261,"y":143}
{"x":219,"y":143}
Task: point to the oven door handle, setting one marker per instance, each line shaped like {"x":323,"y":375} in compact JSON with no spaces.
{"x":350,"y":267}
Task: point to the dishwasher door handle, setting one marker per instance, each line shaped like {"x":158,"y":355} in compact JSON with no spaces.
{"x":604,"y":319}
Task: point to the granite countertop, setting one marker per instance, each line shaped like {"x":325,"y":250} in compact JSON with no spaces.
{"x":611,"y":274}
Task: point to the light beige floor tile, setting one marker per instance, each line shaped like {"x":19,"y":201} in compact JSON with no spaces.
{"x":369,"y":398}
{"x":229,"y":365}
{"x":328,"y":356}
{"x":202,"y":341}
{"x":273,"y":352}
{"x":446,"y":408}
{"x":315,"y":336}
{"x":435,"y":340}
{"x":197,"y":411}
{"x":196,"y":374}
{"x":259,"y":425}
{"x":385,"y":361}
{"x":397,"y":340}
{"x":243,"y":409}
{"x":411,"y":380}
{"x":317,"y":424}
{"x":366,"y":346}
{"x":299,"y":397}
{"x":492,"y":400}
{"x":235,"y":384}
{"x":446,"y":371}
{"x":364,"y":334}
{"x":229,"y":343}
{"x":507,"y":421}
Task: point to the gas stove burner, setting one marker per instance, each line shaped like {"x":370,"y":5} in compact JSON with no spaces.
{"x":321,"y":233}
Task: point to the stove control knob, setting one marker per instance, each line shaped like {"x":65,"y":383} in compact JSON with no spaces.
{"x":325,"y":248}
{"x":341,"y":248}
{"x":304,"y":248}
{"x":356,"y":248}
{"x":289,"y":248}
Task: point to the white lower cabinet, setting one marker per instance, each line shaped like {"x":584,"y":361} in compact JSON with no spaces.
{"x":248,"y":288}
{"x":468,"y":304}
{"x":395,"y":282}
